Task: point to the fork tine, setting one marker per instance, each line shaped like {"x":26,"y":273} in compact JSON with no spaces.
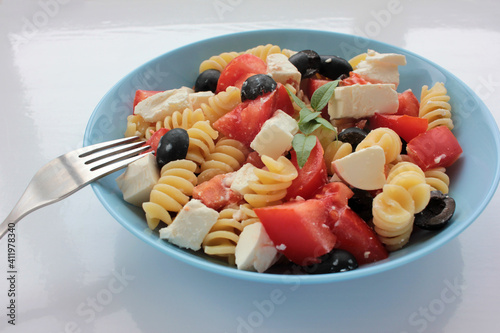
{"x":103,"y":162}
{"x":85,"y":151}
{"x":102,"y":154}
{"x":104,"y":170}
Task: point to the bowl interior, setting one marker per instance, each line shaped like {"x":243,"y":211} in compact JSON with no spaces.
{"x":474,"y":177}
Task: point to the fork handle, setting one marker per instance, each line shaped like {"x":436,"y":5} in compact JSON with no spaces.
{"x":20,"y":210}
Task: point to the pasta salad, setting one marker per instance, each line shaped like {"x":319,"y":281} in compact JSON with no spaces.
{"x":276,"y":157}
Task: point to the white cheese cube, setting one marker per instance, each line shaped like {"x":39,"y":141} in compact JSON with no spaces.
{"x":282,"y":70}
{"x":276,"y":135}
{"x":139,"y":179}
{"x":158,"y":106}
{"x":241,"y":178}
{"x":191,"y":225}
{"x":198,"y":98}
{"x":255,"y":250}
{"x":363,"y":169}
{"x":381,"y":67}
{"x":363,"y":100}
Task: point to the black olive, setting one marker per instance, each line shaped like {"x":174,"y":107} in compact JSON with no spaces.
{"x":207,"y":80}
{"x":307,"y":62}
{"x":333,"y":67}
{"x":438,"y":212}
{"x":335,"y":261}
{"x":172,"y":146}
{"x":257,"y":85}
{"x":361,"y":203}
{"x":352,"y":135}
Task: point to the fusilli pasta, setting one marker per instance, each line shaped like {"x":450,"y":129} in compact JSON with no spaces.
{"x":434,"y":106}
{"x":218,"y":62}
{"x":273,"y":183}
{"x":228,"y":156}
{"x":175,"y":186}
{"x":222,"y":239}
{"x":335,"y":150}
{"x":221,"y":103}
{"x":438,"y":179}
{"x":201,"y":142}
{"x":185,"y":119}
{"x":383,"y":137}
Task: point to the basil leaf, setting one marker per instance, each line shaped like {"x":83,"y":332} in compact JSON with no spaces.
{"x":309,"y":117}
{"x":323,"y":94}
{"x":297,"y":100}
{"x":303,"y":145}
{"x":325,"y":123}
{"x":308,"y":128}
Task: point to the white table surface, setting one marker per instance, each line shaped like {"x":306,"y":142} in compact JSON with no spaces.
{"x":80,"y":271}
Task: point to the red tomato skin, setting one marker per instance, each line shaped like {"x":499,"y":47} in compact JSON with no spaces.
{"x":408,"y":104}
{"x":311,"y":86}
{"x":334,"y":194}
{"x":244,"y":122}
{"x":355,"y":236}
{"x":405,"y":126}
{"x":215,"y":194}
{"x":141,"y":95}
{"x":300,"y":227}
{"x":434,"y":148}
{"x":311,"y":177}
{"x":154,"y":140}
{"x":283,"y":100}
{"x":254,"y":159}
{"x":239,"y":67}
{"x":353,"y":78}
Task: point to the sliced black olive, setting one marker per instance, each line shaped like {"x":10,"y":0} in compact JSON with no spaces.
{"x":438,"y":212}
{"x":352,"y":135}
{"x":333,"y":67}
{"x":257,"y":85}
{"x":361,"y":203}
{"x":207,"y":80}
{"x":172,"y":146}
{"x":307,"y":62}
{"x":335,"y":261}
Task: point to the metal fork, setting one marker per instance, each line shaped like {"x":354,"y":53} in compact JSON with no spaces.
{"x":70,"y":172}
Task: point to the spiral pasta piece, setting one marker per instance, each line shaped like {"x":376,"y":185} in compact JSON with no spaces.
{"x":438,"y":179}
{"x":335,"y":150}
{"x":136,"y":125}
{"x":412,"y":178}
{"x":434,"y":106}
{"x":220,"y":104}
{"x":271,"y":187}
{"x":246,"y":215}
{"x":228,"y":156}
{"x":201,"y":142}
{"x":383,"y":137}
{"x":222,"y":239}
{"x":218,"y":62}
{"x":262,"y":51}
{"x":171,"y":193}
{"x":393,"y":214}
{"x":185,"y":119}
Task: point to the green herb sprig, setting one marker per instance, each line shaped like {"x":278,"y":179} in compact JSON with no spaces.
{"x":303,"y":143}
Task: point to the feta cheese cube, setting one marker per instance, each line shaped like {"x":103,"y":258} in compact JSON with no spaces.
{"x":276,"y":135}
{"x":191,"y":225}
{"x":255,"y":250}
{"x":158,"y":106}
{"x":381,"y":67}
{"x":198,"y":98}
{"x":363,"y":100}
{"x":239,"y":183}
{"x":139,"y":179}
{"x":282,"y":70}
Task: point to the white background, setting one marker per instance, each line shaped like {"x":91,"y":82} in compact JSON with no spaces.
{"x":80,"y":271}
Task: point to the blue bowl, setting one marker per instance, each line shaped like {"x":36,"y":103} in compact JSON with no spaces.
{"x":474,"y":177}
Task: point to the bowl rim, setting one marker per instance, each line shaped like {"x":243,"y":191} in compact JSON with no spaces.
{"x":366,"y":270}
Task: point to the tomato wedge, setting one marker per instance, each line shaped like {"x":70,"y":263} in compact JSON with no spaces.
{"x":239,"y":69}
{"x":298,"y":229}
{"x":437,"y":147}
{"x":408,"y":104}
{"x":405,"y":126}
{"x":311,"y":177}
